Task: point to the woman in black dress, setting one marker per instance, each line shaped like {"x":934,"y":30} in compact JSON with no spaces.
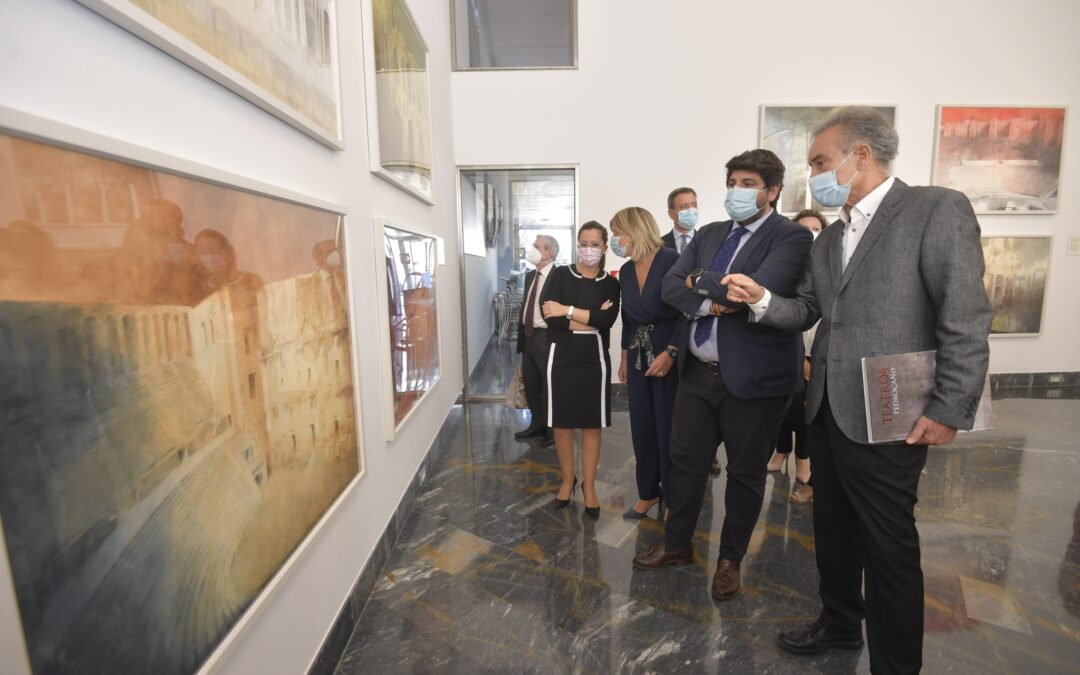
{"x":580,"y":303}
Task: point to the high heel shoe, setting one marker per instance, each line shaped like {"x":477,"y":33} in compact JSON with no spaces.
{"x":634,"y":514}
{"x":591,"y":511}
{"x":563,"y":503}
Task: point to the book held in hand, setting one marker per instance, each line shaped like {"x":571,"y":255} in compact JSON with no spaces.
{"x":897,"y":390}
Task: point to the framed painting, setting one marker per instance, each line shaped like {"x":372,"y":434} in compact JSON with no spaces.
{"x":282,"y":56}
{"x":1017,"y":267}
{"x":1005,"y":159}
{"x":399,"y":98}
{"x":406,"y":264}
{"x":178,"y":412}
{"x":787,"y":130}
{"x":471,"y":213}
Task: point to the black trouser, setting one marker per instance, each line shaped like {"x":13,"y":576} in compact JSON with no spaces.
{"x":864,"y":523}
{"x":651,"y":402}
{"x":704,"y":409}
{"x":794,"y":424}
{"x":534,"y":358}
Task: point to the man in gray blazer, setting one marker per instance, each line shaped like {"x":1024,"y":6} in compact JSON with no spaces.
{"x":901,"y":273}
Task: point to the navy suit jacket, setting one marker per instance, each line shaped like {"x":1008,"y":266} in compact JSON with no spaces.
{"x":756,"y":361}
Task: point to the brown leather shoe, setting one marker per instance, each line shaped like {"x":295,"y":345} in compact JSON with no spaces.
{"x":725,"y":583}
{"x":657,"y":557}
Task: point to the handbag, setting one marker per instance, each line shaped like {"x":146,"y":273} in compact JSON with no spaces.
{"x":515,"y":395}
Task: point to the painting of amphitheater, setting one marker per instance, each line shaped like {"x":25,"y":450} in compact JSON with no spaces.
{"x":403,"y":97}
{"x":178,"y":403}
{"x":412,"y":302}
{"x":1006,"y":160}
{"x":1015,"y":280}
{"x":280,"y":54}
{"x":787,"y":130}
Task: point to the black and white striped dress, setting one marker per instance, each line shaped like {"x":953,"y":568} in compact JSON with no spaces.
{"x":578,"y":367}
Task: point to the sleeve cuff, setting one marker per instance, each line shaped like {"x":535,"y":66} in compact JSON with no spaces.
{"x":761,"y":306}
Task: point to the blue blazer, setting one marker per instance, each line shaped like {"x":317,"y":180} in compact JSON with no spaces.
{"x":646,"y":306}
{"x":756,"y":361}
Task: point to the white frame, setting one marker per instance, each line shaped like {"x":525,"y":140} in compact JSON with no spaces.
{"x":372,"y":100}
{"x":761,"y":134}
{"x":32,"y":127}
{"x":1061,"y":163}
{"x":386,"y":358}
{"x":157,"y":34}
{"x":1046,"y":290}
{"x":459,"y":69}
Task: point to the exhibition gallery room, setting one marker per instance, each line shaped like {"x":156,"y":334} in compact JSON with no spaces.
{"x":345,"y":337}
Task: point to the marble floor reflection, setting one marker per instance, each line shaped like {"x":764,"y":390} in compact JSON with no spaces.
{"x":487,"y":578}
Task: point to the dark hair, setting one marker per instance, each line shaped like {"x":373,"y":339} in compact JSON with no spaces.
{"x":593,"y":225}
{"x":811,"y":213}
{"x":762,"y":162}
{"x":675,"y":193}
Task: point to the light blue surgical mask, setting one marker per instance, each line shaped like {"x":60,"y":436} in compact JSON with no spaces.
{"x":741,"y":203}
{"x":617,"y":247}
{"x":827,"y":191}
{"x":688,"y":218}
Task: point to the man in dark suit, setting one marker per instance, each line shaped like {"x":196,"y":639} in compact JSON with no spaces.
{"x":735,"y":377}
{"x":682,"y":209}
{"x":901,"y":272}
{"x":532,"y":341}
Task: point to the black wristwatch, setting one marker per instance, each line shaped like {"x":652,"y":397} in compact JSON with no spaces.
{"x":696,"y":273}
{"x":673,"y":352}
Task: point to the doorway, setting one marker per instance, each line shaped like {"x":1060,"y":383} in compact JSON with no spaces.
{"x":502,"y":209}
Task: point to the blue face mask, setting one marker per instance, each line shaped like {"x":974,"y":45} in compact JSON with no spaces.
{"x":617,"y":247}
{"x":741,"y":203}
{"x":827,"y":191}
{"x":688,"y":218}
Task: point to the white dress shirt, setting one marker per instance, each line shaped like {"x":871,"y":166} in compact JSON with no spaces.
{"x":855,"y":224}
{"x":682,"y":240}
{"x":707,"y":352}
{"x":538,"y":280}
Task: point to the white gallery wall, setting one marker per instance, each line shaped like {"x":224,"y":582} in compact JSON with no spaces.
{"x":60,"y":61}
{"x":667,"y":92}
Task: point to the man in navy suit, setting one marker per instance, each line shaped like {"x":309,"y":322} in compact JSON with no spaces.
{"x":736,"y":377}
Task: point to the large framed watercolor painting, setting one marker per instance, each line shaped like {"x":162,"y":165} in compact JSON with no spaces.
{"x":280,"y":55}
{"x":1017,"y":268}
{"x":787,"y":130}
{"x":407,"y":262}
{"x":1005,"y":159}
{"x":399,"y":98}
{"x":178,"y":409}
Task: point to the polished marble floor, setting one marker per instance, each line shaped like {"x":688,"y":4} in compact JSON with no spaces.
{"x":487,"y":578}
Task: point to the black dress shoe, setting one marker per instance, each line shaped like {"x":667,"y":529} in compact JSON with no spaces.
{"x":530,"y":432}
{"x":548,"y":440}
{"x":815,"y":638}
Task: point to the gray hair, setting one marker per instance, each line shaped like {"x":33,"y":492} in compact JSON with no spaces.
{"x":552,"y":242}
{"x":863,"y":124}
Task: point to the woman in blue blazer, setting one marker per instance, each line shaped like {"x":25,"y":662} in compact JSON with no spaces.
{"x":649,"y":348}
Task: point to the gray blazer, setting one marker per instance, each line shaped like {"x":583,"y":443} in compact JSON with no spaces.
{"x":913,"y":284}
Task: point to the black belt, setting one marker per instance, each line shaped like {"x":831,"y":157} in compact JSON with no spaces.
{"x":712,"y":366}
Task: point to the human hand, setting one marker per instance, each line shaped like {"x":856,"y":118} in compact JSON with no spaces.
{"x":661,"y":366}
{"x":607,"y":305}
{"x":689,"y":282}
{"x":929,"y":432}
{"x":622,"y":372}
{"x":716,"y":309}
{"x":552,"y":308}
{"x":806,"y":369}
{"x":742,"y":288}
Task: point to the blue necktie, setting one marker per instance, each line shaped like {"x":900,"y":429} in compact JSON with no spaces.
{"x":719,"y":264}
